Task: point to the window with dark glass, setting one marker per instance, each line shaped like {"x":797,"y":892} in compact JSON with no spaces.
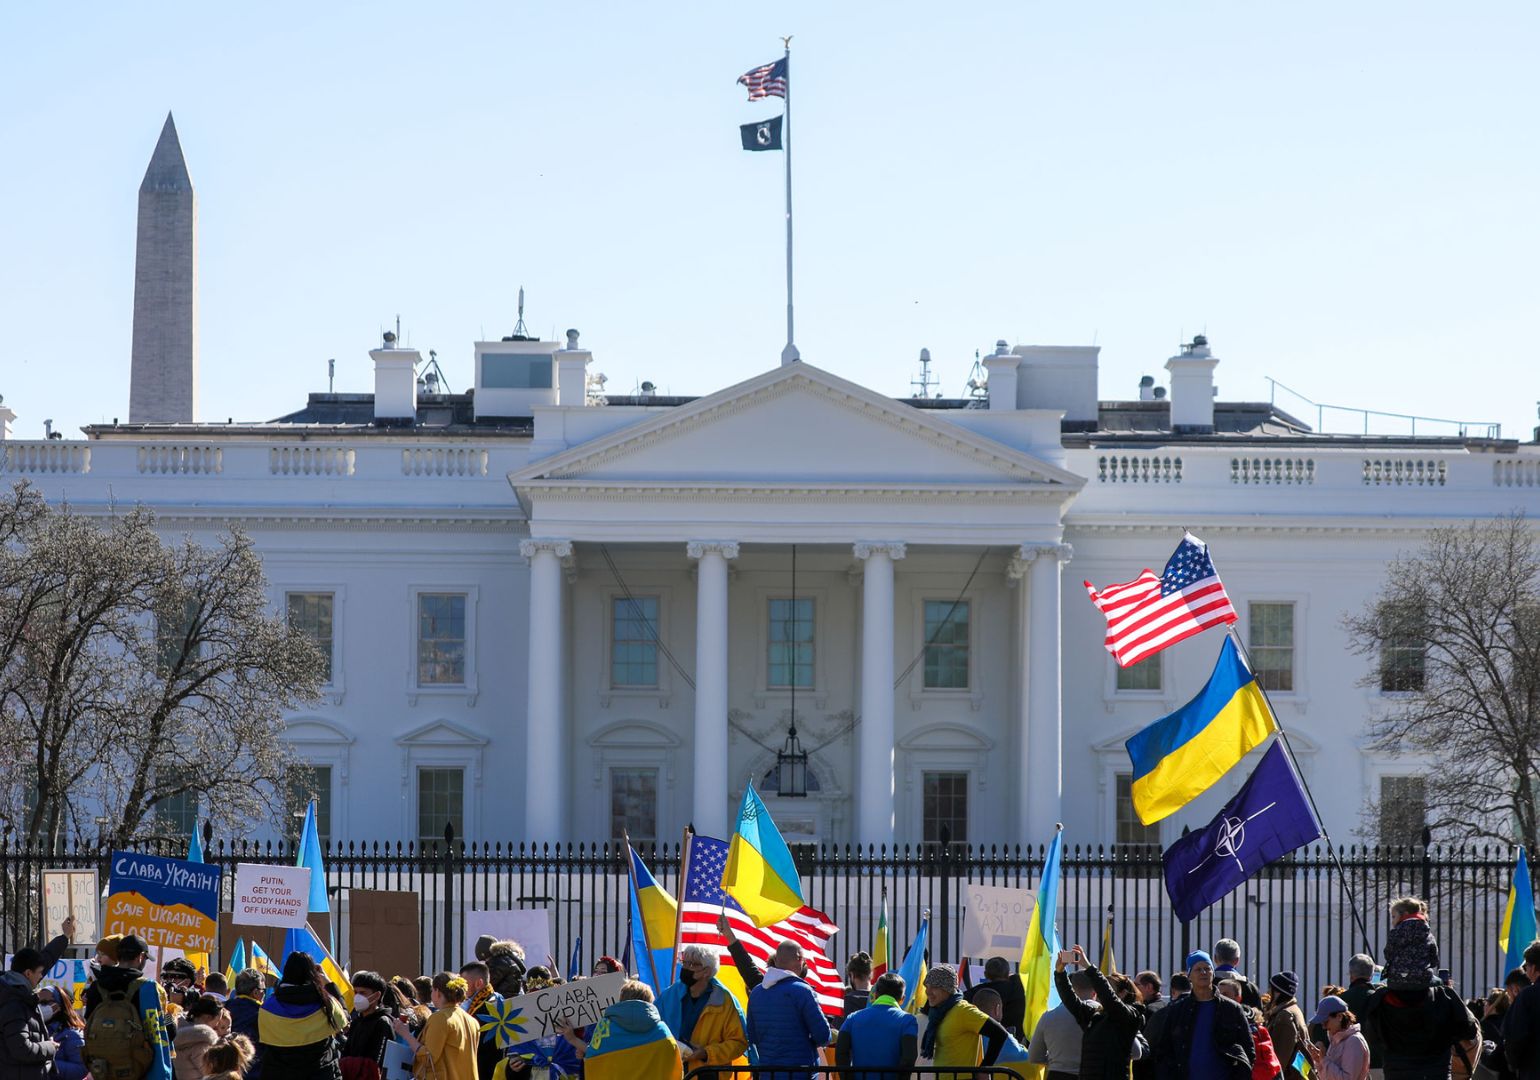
{"x":312,"y":783}
{"x":1403,"y":809}
{"x":1144,"y":675}
{"x":634,"y":803}
{"x":1272,"y":645}
{"x":441,"y":639}
{"x":945,"y":810}
{"x":1403,"y":649}
{"x":440,"y":802}
{"x":311,"y":615}
{"x":633,"y":641}
{"x":946,"y":644}
{"x":791,"y":643}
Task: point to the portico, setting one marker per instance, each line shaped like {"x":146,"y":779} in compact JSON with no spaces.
{"x":883,"y":501}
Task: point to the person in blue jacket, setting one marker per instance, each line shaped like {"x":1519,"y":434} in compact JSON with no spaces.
{"x":785,"y":1024}
{"x":66,"y":1029}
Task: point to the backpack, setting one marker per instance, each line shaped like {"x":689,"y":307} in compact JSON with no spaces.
{"x":117,"y":1045}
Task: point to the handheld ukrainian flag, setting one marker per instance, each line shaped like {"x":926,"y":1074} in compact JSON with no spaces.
{"x":575,"y":961}
{"x":914,"y":967}
{"x":654,"y":919}
{"x":761,"y":874}
{"x":1302,"y":1064}
{"x":1518,"y":928}
{"x":880,"y":942}
{"x":310,"y":855}
{"x":199,"y":960}
{"x":303,"y":939}
{"x":1042,"y":946}
{"x":262,"y":962}
{"x":236,"y":964}
{"x":1179,"y":756}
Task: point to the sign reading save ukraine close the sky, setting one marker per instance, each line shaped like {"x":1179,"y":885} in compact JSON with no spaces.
{"x":167,"y":902}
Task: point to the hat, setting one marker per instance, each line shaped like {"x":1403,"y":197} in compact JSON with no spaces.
{"x":1329,"y":1006}
{"x":179,"y":966}
{"x":131,"y":947}
{"x":1285,"y":982}
{"x":108,"y":946}
{"x":1198,"y":956}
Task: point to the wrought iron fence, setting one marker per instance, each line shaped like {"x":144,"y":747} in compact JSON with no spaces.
{"x":1293,"y":915}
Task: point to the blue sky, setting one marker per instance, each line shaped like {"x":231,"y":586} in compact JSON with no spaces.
{"x":1343,"y":196}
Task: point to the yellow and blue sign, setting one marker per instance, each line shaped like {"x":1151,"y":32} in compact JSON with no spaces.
{"x":1180,"y":756}
{"x":167,"y":903}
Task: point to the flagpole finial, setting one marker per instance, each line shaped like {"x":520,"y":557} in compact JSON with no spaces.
{"x":786,"y":42}
{"x":1058,"y":826}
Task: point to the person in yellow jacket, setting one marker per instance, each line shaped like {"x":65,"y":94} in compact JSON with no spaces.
{"x":447,"y":1047}
{"x":702,"y":1014}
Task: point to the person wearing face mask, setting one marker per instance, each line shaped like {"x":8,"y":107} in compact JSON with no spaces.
{"x":363,"y":1047}
{"x":26,"y":1050}
{"x":702,"y":1015}
{"x":67,"y":1030}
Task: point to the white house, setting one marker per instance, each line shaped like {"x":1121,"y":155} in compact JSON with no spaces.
{"x":553,"y":614}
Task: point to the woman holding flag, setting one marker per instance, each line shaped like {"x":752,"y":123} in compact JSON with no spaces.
{"x":299,"y":1024}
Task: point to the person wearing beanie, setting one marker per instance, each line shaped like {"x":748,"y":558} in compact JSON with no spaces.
{"x":1203,"y":1035}
{"x":107,"y":950}
{"x":299,"y":1024}
{"x":1286,"y":1021}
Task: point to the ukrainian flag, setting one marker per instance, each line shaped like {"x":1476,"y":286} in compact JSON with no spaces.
{"x":761,"y":874}
{"x":1518,"y":928}
{"x":1042,"y":946}
{"x":914,"y":968}
{"x":303,"y":939}
{"x":654,"y":919}
{"x":310,"y":856}
{"x":1179,"y":757}
{"x":625,"y":1045}
{"x":262,"y":962}
{"x":237,"y":963}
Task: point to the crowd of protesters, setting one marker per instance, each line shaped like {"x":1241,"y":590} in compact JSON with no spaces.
{"x":1209,"y":1021}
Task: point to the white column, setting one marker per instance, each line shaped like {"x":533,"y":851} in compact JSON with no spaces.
{"x":543,"y":779}
{"x":710,"y":806}
{"x":874,"y":771}
{"x":1042,"y":744}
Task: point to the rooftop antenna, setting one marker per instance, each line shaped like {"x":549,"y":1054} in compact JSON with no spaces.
{"x":398,"y":328}
{"x":331,"y":375}
{"x":978,"y":383}
{"x":432,"y":376}
{"x":926,"y":380}
{"x":519,"y":329}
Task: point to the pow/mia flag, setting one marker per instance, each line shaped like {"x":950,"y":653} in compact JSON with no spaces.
{"x":765,"y":135}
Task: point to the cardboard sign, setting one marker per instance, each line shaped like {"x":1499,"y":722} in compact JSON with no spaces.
{"x":169,"y":903}
{"x":578,"y":1003}
{"x":530,"y":927}
{"x":271,"y":895}
{"x":996,"y":921}
{"x":72,"y":892}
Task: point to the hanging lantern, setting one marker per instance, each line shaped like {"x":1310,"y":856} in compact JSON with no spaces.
{"x":791,"y":767}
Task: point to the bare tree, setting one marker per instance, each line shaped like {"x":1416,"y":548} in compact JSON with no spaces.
{"x":1455,"y":633}
{"x":134,"y":672}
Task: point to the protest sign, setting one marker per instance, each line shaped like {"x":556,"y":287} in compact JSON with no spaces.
{"x":996,"y":920}
{"x":530,"y":927}
{"x":398,"y":1061}
{"x":271,"y":895}
{"x":168,"y":903}
{"x":72,"y":892}
{"x":578,"y":1004}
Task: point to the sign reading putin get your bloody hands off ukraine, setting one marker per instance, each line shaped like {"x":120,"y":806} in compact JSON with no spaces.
{"x":168,"y":903}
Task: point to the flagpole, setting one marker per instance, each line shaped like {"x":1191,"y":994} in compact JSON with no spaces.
{"x":790,"y":353}
{"x":680,"y":884}
{"x":1288,"y":748}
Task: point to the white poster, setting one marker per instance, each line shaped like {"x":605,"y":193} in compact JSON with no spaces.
{"x":579,"y":1003}
{"x":996,"y":920}
{"x":530,"y":927}
{"x":72,"y":892}
{"x":398,"y":1061}
{"x":271,"y":895}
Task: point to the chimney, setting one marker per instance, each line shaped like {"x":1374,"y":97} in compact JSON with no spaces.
{"x":572,"y":373}
{"x":1192,"y":389}
{"x":1147,"y":388}
{"x":1001,"y":365}
{"x":7,"y":414}
{"x":395,"y":383}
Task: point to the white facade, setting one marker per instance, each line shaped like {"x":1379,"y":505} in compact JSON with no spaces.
{"x":528,"y":548}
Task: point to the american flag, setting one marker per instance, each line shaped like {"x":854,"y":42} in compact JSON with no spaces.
{"x":703,"y":901}
{"x":768,"y":80}
{"x":1149,"y":613}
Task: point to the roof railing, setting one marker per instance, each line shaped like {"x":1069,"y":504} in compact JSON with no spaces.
{"x":1465,"y":428}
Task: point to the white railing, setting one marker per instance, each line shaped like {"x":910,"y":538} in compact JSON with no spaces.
{"x":174,"y":459}
{"x":55,"y":456}
{"x":1517,"y":473}
{"x":311,"y":460}
{"x":445,"y":461}
{"x":1128,"y":469}
{"x":1266,"y":470}
{"x":1404,"y":472}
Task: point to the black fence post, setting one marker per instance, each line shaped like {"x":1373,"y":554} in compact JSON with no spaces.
{"x":1427,"y":863}
{"x":448,"y":892}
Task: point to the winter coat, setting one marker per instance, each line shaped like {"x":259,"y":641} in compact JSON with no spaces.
{"x":1357,"y":998}
{"x":299,"y":1027}
{"x":1232,"y":1038}
{"x":1107,"y":1046}
{"x":1347,"y":1056}
{"x":447,"y":1050}
{"x":70,"y":1059}
{"x":719,"y":1029}
{"x":785,"y":1024}
{"x":1418,"y":1030}
{"x":1521,"y":1034}
{"x":1411,"y":954}
{"x":244,"y":1012}
{"x":1286,"y":1024}
{"x":192,"y":1042}
{"x":26,"y":1051}
{"x":1266,"y":1065}
{"x":1496,"y":1059}
{"x":367,"y":1036}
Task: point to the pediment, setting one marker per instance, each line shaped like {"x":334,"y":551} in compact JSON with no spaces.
{"x":442,"y":733}
{"x":796,"y":424}
{"x":947,"y":737}
{"x":636,"y":734}
{"x":312,"y":729}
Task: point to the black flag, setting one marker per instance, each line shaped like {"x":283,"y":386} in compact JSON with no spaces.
{"x":765,"y":135}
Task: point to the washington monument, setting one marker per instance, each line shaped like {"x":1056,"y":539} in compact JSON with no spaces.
{"x":163,"y":387}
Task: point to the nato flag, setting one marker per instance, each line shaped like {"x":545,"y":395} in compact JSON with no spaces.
{"x":1268,"y":818}
{"x":765,"y":135}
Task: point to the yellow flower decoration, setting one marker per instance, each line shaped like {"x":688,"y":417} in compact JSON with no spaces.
{"x":457,"y":985}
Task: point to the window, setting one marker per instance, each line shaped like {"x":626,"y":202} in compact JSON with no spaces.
{"x":946,"y":807}
{"x":311,"y":615}
{"x":307,"y":782}
{"x":171,"y":639}
{"x":440,"y":802}
{"x":1144,"y":675}
{"x":633,"y":641}
{"x":1272,"y":645}
{"x":791,"y":643}
{"x":440,"y":639}
{"x":505,"y":371}
{"x":634,"y":803}
{"x":1403,"y":809}
{"x":946,"y":644}
{"x":177,"y":815}
{"x":1128,"y":828}
{"x":1402,"y":650}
